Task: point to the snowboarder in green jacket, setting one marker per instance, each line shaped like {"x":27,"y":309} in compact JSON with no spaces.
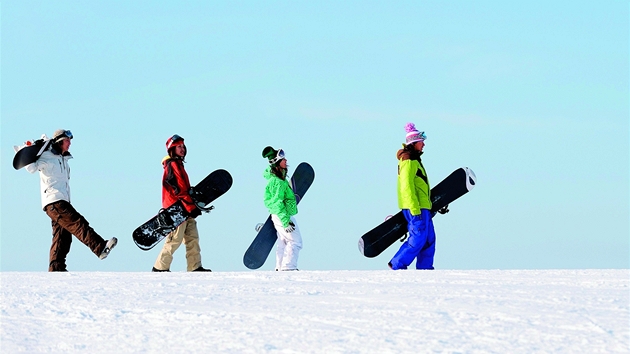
{"x":282,"y":205}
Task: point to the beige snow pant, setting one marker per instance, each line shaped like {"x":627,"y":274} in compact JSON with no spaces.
{"x":186,"y":232}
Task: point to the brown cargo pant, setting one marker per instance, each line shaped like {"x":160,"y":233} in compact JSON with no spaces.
{"x":66,"y":221}
{"x":186,"y":232}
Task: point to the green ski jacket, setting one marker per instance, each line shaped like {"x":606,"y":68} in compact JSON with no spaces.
{"x":279,"y":197}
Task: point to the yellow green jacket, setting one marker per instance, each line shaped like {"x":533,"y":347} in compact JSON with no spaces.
{"x":414,"y":192}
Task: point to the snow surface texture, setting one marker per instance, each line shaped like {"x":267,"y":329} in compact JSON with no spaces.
{"x":536,"y":311}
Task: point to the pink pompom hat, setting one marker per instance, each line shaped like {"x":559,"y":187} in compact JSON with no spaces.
{"x":413,"y":135}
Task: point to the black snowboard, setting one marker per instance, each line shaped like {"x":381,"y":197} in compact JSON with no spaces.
{"x":149,"y":234}
{"x":29,"y":154}
{"x":377,"y":240}
{"x":259,"y":250}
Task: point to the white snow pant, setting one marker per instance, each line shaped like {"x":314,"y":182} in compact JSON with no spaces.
{"x":289,"y":245}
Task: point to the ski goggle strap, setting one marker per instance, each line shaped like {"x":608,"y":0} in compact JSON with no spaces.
{"x":66,"y":134}
{"x":173,"y":141}
{"x":279,"y":156}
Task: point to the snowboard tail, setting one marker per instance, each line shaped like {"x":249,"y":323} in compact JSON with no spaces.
{"x":377,"y":240}
{"x":149,"y":234}
{"x":384,"y":235}
{"x":259,"y":250}
{"x":27,"y":154}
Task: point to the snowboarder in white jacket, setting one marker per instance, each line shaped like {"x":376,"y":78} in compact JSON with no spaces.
{"x":54,"y":173}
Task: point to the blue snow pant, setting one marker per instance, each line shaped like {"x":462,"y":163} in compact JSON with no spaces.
{"x":420,"y":244}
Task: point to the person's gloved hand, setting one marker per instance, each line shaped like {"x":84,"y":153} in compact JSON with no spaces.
{"x":289,"y":229}
{"x":444,"y":209}
{"x":195,"y":213}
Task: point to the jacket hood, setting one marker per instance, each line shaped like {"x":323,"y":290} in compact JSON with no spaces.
{"x":267,"y":173}
{"x":403,"y":154}
{"x":167,"y":158}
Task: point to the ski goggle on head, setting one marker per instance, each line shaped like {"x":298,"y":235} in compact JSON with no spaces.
{"x":413,"y":138}
{"x":174,"y":141}
{"x":279,"y":156}
{"x":66,"y":134}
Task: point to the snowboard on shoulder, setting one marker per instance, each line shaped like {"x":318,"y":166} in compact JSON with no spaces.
{"x":259,"y":250}
{"x":149,"y":234}
{"x":29,"y":152}
{"x":377,"y":240}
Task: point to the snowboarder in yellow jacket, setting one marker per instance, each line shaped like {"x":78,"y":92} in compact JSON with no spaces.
{"x":414,"y":198}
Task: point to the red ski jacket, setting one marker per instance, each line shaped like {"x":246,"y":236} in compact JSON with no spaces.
{"x":175,"y":184}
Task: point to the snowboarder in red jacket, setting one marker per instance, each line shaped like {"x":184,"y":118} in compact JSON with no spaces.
{"x":176,"y":186}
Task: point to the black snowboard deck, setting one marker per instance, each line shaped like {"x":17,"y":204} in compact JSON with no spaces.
{"x":29,"y":154}
{"x":259,"y":250}
{"x":213,"y":186}
{"x":149,"y":234}
{"x":377,"y":240}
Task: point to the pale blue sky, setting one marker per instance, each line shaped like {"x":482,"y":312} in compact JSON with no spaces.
{"x":532,"y":95}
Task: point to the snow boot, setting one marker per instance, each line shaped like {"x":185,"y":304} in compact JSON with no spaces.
{"x":201,"y":269}
{"x":108,"y":248}
{"x":57,"y":267}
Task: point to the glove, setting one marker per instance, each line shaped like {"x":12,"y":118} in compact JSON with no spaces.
{"x":444,"y":209}
{"x":195,"y":213}
{"x":289,"y":229}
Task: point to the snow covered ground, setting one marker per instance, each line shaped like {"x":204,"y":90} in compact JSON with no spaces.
{"x":535,"y":311}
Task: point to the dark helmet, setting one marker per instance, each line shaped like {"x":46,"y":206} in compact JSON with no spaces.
{"x":174,"y":141}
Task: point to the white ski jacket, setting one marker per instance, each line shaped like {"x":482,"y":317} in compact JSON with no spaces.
{"x":54,"y":176}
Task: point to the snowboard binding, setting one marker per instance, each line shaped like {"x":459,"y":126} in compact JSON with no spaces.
{"x":197,"y":196}
{"x":164,"y":220}
{"x":204,"y":208}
